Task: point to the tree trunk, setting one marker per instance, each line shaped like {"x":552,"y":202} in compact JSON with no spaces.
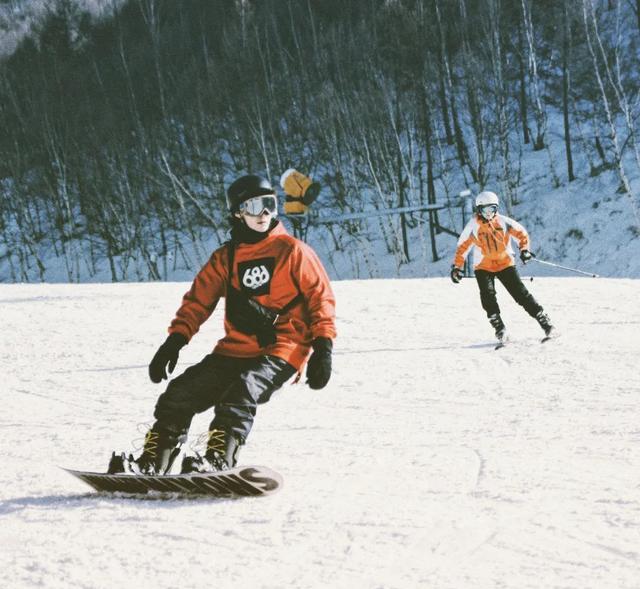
{"x":401,"y":180}
{"x":538,"y":109}
{"x":523,"y":88}
{"x":443,"y":69}
{"x":565,"y":91}
{"x":431,"y":189}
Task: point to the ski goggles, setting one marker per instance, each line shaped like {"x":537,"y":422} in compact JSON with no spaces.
{"x":257,"y":205}
{"x":488,"y":210}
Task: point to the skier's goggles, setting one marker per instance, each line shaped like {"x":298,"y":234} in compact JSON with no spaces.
{"x":259,"y":204}
{"x":486,"y":209}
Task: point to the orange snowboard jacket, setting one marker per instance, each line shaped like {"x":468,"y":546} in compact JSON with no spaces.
{"x":491,"y":243}
{"x":273,"y":272}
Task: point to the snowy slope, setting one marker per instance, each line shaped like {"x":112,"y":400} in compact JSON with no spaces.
{"x":429,"y":461}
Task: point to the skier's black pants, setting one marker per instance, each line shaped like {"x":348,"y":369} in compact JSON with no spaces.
{"x":515,"y":287}
{"x":234,"y":386}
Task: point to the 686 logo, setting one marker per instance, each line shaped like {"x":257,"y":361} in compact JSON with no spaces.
{"x":255,"y":276}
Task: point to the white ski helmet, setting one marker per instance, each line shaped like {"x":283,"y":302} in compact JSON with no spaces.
{"x":485,"y":198}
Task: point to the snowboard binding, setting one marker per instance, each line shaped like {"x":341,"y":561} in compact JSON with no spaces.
{"x":121,"y":463}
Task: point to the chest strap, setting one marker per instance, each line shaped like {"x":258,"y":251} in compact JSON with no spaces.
{"x":295,"y":301}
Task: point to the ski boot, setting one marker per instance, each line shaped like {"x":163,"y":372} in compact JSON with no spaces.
{"x":543,"y":320}
{"x":160,"y":450}
{"x":499,"y":328}
{"x":221,"y":454}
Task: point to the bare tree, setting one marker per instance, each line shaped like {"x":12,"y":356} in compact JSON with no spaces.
{"x":523,"y":101}
{"x":534,"y":78}
{"x":593,"y":42}
{"x":500,"y":98}
{"x":566,"y":82}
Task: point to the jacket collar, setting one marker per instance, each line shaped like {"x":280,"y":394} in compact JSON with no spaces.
{"x":482,"y":220}
{"x":241,"y":234}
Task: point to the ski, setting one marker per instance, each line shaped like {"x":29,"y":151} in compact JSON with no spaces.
{"x":501,"y":341}
{"x":551,"y":335}
{"x":546,"y":338}
{"x":244,"y":481}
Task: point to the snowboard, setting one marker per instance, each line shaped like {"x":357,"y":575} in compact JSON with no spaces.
{"x":242,"y":481}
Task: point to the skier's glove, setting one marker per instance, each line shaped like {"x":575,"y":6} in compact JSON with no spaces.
{"x":166,"y":357}
{"x":319,"y":365}
{"x":526,"y":255}
{"x":456,"y":274}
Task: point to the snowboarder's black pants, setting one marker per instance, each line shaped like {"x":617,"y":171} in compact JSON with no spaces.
{"x":234,"y":386}
{"x":511,"y":281}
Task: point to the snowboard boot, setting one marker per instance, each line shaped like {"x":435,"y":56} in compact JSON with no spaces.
{"x":543,"y":320}
{"x":221,"y":454}
{"x":161,"y":447}
{"x":498,"y":326}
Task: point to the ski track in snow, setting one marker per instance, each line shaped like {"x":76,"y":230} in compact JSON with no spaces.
{"x":430,"y":460}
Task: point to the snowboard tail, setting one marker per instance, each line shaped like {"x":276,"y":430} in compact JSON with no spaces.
{"x":244,"y":481}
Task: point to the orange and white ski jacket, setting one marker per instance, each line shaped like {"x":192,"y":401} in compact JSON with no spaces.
{"x":273,"y":272}
{"x":491,"y":242}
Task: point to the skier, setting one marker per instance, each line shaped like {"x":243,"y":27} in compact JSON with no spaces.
{"x":278,"y":305}
{"x":490,"y":234}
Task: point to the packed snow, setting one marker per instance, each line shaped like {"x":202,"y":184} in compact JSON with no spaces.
{"x":430,"y":460}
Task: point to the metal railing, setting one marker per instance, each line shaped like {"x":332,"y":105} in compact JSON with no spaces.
{"x":301,"y":223}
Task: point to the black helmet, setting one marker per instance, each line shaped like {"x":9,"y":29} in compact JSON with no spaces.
{"x":247,"y":187}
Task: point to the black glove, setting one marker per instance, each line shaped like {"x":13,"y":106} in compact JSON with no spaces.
{"x":319,"y":366}
{"x":526,"y":255}
{"x":166,"y":357}
{"x":456,"y":274}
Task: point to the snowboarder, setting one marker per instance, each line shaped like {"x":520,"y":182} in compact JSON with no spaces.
{"x":278,"y":306}
{"x":490,"y":234}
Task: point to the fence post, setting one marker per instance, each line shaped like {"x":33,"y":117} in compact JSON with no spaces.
{"x":432,"y":234}
{"x":467,"y":212}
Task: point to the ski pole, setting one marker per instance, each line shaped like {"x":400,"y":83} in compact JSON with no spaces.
{"x":565,"y":268}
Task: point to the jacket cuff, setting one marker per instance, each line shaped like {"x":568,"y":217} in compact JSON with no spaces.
{"x":177,"y":339}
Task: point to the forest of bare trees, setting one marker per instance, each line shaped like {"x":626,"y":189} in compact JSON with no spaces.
{"x":120,"y":134}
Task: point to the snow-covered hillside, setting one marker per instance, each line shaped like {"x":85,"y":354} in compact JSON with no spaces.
{"x":430,"y":460}
{"x":584,"y":224}
{"x":19,"y":17}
